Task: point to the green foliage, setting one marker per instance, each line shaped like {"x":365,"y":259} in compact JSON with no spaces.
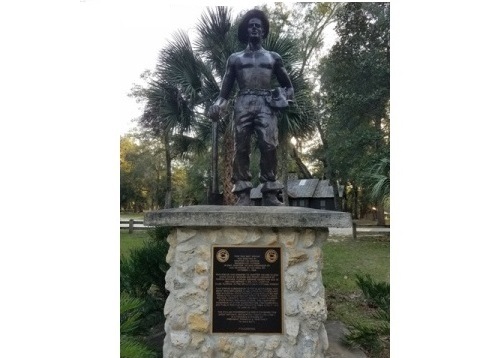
{"x":131,"y":347}
{"x":142,"y":275}
{"x":376,"y":293}
{"x":373,"y":338}
{"x":130,"y":326}
{"x":130,"y":314}
{"x":142,"y":183}
{"x":159,"y":233}
{"x":378,"y":181}
{"x":144,"y":267}
{"x":355,"y":93}
{"x":142,"y":282}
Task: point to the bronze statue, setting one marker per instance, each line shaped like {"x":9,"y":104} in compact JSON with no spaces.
{"x":255,"y":107}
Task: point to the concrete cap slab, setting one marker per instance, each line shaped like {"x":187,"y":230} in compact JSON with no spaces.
{"x":253,"y":216}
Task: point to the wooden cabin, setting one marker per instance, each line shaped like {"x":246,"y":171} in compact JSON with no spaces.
{"x":309,"y":193}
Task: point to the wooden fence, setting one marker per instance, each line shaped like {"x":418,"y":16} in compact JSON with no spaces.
{"x":131,"y":225}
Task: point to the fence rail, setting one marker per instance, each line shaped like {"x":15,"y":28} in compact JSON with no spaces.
{"x":369,"y":230}
{"x":131,"y":225}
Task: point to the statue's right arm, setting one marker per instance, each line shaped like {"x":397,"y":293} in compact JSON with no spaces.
{"x":226,"y":87}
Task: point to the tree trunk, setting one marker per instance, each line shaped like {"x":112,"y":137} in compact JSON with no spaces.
{"x":355,"y":202}
{"x":329,"y":170}
{"x":305,"y":173}
{"x":227,"y":164}
{"x":168,"y":171}
{"x":283,"y":152}
{"x":380,"y":213}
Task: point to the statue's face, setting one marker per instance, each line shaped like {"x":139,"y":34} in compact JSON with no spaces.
{"x":255,"y":29}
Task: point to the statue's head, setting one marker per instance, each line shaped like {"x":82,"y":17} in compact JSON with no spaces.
{"x":243,"y":26}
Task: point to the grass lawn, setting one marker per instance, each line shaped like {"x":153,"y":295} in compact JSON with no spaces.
{"x":342,"y":261}
{"x":132,"y":241}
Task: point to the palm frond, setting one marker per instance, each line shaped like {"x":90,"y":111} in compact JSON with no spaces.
{"x":217,"y":37}
{"x":179,"y":65}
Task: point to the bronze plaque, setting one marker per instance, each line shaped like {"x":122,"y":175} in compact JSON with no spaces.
{"x":247,"y":290}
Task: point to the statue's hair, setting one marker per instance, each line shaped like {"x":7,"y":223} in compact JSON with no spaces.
{"x":243,"y":26}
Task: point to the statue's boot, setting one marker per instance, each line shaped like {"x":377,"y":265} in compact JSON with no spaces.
{"x":243,"y":198}
{"x":270,"y":198}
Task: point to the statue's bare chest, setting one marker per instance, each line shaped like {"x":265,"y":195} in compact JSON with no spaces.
{"x":255,"y":60}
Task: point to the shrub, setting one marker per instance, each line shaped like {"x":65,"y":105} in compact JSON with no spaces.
{"x":130,"y":325}
{"x":133,"y":348}
{"x":142,"y":275}
{"x":373,"y":338}
{"x":145,"y":266}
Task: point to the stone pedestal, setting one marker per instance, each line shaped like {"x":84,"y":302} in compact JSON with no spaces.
{"x":299,"y":232}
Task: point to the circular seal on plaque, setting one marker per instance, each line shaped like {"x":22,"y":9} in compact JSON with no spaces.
{"x":271,"y":256}
{"x":222,"y":255}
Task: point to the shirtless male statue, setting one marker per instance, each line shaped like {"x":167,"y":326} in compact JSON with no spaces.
{"x":255,"y":107}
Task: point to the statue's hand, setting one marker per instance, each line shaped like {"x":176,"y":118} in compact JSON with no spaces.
{"x":216,"y":108}
{"x":214,"y":113}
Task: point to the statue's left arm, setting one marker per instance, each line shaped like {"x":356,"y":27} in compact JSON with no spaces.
{"x":282,"y":76}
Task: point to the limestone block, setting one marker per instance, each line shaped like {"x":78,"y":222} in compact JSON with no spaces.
{"x":272,"y":343}
{"x":201,"y":282}
{"x":201,"y":268}
{"x":169,"y":305}
{"x":206,"y":349}
{"x":239,"y":342}
{"x":285,"y":352}
{"x":235,"y":236}
{"x":292,"y":329}
{"x":171,"y":239}
{"x":323,"y":338}
{"x":317,"y":255}
{"x":291,"y":306}
{"x":308,"y":347}
{"x":314,"y":310}
{"x":184,"y":257}
{"x":197,"y":323}
{"x":180,"y":339}
{"x":252,"y":237}
{"x":184,"y":234}
{"x":269,"y":238}
{"x":314,"y":288}
{"x":177,"y":319}
{"x":295,"y":279}
{"x":170,"y":256}
{"x":296,"y":256}
{"x":239,"y":354}
{"x":289,"y":238}
{"x":185,"y":269}
{"x":201,"y":307}
{"x":308,"y":237}
{"x":179,"y":283}
{"x":306,"y":241}
{"x":169,"y":278}
{"x":224,"y":345}
{"x":203,"y":252}
{"x":259,"y":343}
